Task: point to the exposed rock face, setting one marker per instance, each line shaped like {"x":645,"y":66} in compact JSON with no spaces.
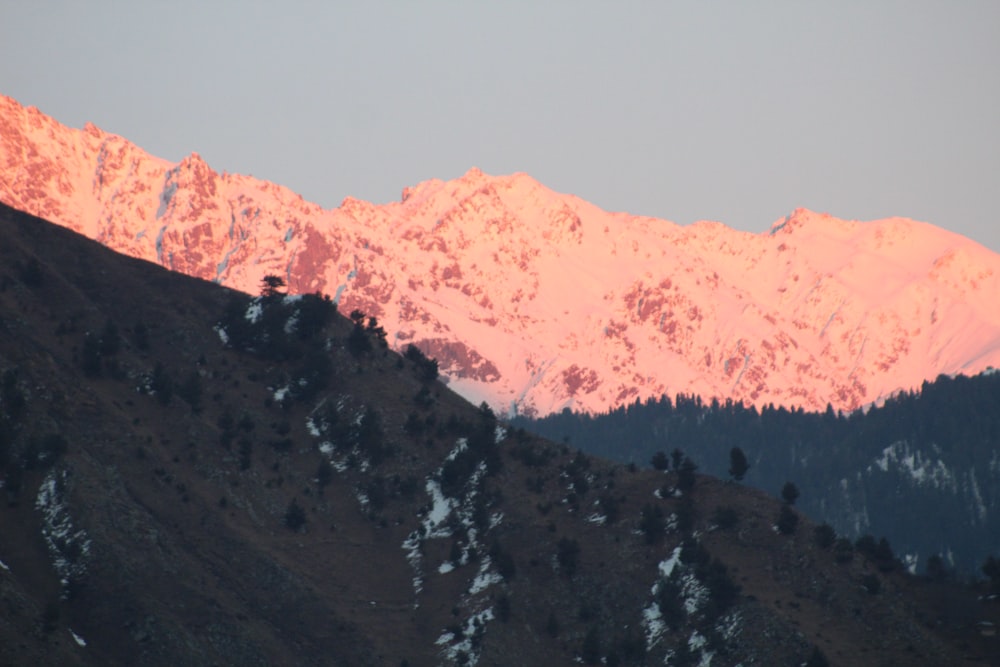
{"x":535,"y":301}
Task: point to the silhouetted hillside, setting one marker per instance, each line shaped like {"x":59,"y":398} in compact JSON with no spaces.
{"x":195,"y":476}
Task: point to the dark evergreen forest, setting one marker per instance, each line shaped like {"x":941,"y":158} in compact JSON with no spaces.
{"x":922,"y":469}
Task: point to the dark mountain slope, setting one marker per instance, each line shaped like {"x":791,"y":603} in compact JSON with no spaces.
{"x":301,"y":495}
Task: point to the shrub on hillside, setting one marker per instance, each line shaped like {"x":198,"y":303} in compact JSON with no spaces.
{"x":427,"y":369}
{"x":161,"y":384}
{"x":725,"y":517}
{"x":274,"y":326}
{"x":568,"y":555}
{"x":190,"y":391}
{"x":685,"y":475}
{"x":789,"y":493}
{"x":788,"y":520}
{"x":825,"y":535}
{"x":504,"y":561}
{"x":871,"y":583}
{"x":843,"y":550}
{"x":295,"y":516}
{"x":670,"y":601}
{"x":652,"y":523}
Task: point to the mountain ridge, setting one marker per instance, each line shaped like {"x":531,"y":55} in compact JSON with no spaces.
{"x":294,"y":492}
{"x":535,"y":301}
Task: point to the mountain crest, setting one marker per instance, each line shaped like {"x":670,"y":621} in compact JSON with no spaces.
{"x":536,"y":301}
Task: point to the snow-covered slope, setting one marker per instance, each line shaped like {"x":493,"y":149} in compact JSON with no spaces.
{"x":534,"y":300}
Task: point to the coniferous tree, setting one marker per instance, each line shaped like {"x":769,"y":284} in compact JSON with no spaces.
{"x":191,"y":391}
{"x":271,"y":285}
{"x":652,"y":523}
{"x":676,"y":457}
{"x":991,"y":568}
{"x":936,"y":570}
{"x":789,"y":493}
{"x":110,"y":341}
{"x":295,"y":516}
{"x":825,"y":535}
{"x":162,"y":384}
{"x":685,"y":475}
{"x":788,"y":520}
{"x":738,"y":464}
{"x":358,"y":342}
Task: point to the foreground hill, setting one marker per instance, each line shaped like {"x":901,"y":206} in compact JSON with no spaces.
{"x":195,"y":476}
{"x":534,"y":300}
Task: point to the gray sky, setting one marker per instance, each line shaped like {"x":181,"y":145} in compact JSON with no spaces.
{"x":730,"y":111}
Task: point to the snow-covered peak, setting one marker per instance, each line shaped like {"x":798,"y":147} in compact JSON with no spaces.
{"x":536,"y":300}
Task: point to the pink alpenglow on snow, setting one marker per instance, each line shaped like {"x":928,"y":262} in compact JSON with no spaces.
{"x":537,"y":301}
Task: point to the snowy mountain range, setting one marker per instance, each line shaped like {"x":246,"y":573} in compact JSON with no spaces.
{"x":535,"y":301}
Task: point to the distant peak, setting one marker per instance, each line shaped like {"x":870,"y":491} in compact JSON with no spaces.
{"x":92,"y":130}
{"x":804,"y":219}
{"x":794,"y":219}
{"x":193,"y":160}
{"x":517,"y":180}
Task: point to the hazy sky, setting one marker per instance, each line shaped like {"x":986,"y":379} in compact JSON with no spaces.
{"x":730,"y":111}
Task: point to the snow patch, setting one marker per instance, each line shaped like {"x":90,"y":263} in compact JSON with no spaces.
{"x":464,"y":640}
{"x":485,"y":578}
{"x":168,"y":192}
{"x":922,"y":469}
{"x":652,"y":618}
{"x":441,"y":518}
{"x":254,"y":311}
{"x":68,"y":546}
{"x":221,"y":267}
{"x":666,"y":566}
{"x":159,"y":244}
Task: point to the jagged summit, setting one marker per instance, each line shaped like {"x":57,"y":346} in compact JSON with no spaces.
{"x":535,"y":300}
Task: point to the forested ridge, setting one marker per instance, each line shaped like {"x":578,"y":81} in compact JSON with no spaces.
{"x":922,"y":469}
